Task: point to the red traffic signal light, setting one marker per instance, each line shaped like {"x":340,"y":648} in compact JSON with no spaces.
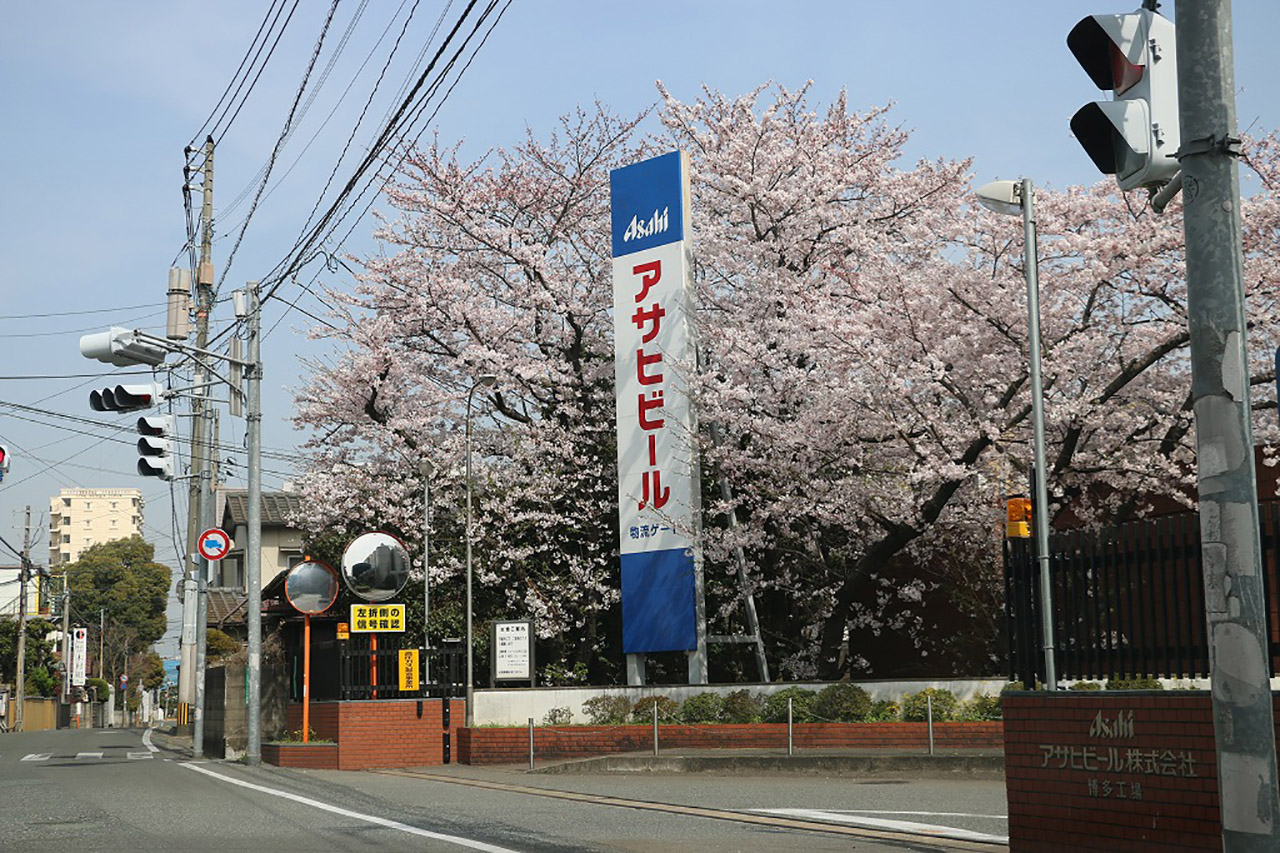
{"x":126,"y":398}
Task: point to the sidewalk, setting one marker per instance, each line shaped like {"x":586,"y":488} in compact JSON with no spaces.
{"x":943,"y":764}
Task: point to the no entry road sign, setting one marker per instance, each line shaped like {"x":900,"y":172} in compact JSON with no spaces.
{"x":214,"y":544}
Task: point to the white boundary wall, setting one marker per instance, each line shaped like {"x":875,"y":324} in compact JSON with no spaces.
{"x":514,"y":706}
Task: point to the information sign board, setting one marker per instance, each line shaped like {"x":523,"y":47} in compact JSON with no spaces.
{"x":370,"y":618}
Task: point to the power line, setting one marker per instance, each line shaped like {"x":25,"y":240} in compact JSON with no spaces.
{"x":284,"y":134}
{"x":73,"y":313}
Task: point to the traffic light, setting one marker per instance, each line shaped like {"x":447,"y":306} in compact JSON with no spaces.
{"x":122,"y":348}
{"x":126,"y":398}
{"x":154,"y":458}
{"x":1017,"y":523}
{"x":1135,"y":136}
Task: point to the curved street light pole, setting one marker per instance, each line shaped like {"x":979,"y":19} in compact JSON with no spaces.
{"x":487,"y":380}
{"x":1017,"y":198}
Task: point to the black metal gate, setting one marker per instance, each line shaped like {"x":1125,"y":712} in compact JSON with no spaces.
{"x":369,"y":668}
{"x":1127,"y":601}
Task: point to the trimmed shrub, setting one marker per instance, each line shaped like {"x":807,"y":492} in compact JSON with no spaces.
{"x":915,"y":706}
{"x":885,"y":711}
{"x":558,"y":717}
{"x":841,"y":703}
{"x":983,"y":706}
{"x":668,"y":709}
{"x":775,"y":705}
{"x":607,"y":710}
{"x":1137,"y":682}
{"x":742,"y":706}
{"x":1086,"y":685}
{"x":703,"y":708}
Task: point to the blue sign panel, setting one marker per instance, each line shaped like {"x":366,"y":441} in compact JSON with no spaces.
{"x":658,"y":612}
{"x":647,"y":204}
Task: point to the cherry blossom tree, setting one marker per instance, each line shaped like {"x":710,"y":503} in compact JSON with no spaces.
{"x":863,"y":390}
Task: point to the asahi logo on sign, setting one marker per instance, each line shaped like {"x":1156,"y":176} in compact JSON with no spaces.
{"x":656,"y":224}
{"x":1118,"y":727}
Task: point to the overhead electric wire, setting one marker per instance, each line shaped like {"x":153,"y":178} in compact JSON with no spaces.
{"x":235,"y":76}
{"x":74,"y":313}
{"x":217,"y":125}
{"x":311,"y":98}
{"x":278,"y":275}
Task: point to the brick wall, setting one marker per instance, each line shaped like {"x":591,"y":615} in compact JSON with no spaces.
{"x":1111,"y":771}
{"x":511,"y":745}
{"x":387,"y":733}
{"x":313,"y":756}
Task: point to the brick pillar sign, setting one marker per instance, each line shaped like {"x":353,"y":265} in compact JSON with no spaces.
{"x":1124,"y":770}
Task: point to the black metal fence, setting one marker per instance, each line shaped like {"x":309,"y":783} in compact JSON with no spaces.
{"x":369,"y":668}
{"x":1127,"y":601}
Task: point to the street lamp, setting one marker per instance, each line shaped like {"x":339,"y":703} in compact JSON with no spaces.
{"x":486,"y":380}
{"x":1013,"y":198}
{"x":426,"y":469}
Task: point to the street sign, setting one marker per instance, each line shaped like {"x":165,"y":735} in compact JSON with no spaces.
{"x":512,"y":645}
{"x":79,"y":643}
{"x":124,"y":679}
{"x":408,"y":669}
{"x":214,"y":544}
{"x":368,"y":618}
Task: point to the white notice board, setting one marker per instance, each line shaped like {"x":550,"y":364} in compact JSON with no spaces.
{"x":513,"y":651}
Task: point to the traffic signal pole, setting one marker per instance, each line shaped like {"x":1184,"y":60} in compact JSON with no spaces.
{"x":1229,"y":528}
{"x":23,"y":570}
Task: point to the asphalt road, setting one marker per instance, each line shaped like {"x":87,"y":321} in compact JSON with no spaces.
{"x":121,"y":790}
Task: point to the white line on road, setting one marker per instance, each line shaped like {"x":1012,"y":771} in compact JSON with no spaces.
{"x":146,"y":741}
{"x":923,"y":814}
{"x":898,"y":825}
{"x":37,"y":756}
{"x":380,"y":821}
{"x":80,"y":755}
{"x":137,"y":756}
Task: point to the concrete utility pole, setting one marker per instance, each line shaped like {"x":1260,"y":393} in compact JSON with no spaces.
{"x":253,"y":550}
{"x":1229,"y":528}
{"x":66,"y":638}
{"x":203,"y":502}
{"x":23,"y":570}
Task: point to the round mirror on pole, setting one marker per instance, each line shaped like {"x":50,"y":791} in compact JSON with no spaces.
{"x":375,"y":566}
{"x":311,"y":587}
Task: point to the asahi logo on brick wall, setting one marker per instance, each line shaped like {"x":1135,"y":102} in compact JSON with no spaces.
{"x":1119,"y":727}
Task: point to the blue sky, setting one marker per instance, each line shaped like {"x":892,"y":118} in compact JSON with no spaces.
{"x":98,"y":99}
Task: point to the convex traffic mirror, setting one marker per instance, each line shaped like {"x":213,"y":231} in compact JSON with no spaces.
{"x":311,"y":587}
{"x":375,"y":566}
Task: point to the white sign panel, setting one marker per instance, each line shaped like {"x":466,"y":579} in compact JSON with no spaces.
{"x":79,"y":654}
{"x":513,"y":651}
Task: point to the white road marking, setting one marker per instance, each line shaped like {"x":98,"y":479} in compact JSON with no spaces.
{"x":379,"y":821}
{"x":37,"y":756}
{"x":146,"y":741}
{"x":80,"y":755}
{"x":928,"y":829}
{"x":136,"y":756}
{"x":924,"y":814}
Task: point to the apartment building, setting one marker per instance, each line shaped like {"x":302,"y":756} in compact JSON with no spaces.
{"x":79,"y":518}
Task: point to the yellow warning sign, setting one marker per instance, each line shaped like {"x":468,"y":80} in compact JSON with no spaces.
{"x":408,"y":669}
{"x":344,"y":631}
{"x":367,"y":618}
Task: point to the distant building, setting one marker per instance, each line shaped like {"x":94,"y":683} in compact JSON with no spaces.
{"x":79,"y":518}
{"x":281,"y":550}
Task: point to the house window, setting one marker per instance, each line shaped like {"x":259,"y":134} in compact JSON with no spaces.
{"x":88,"y":506}
{"x":113,"y":504}
{"x":66,"y":502}
{"x":113,"y":524}
{"x":66,"y":538}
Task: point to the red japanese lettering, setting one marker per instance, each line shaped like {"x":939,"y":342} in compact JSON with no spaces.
{"x":651,"y":317}
{"x":660,"y":495}
{"x":651,"y":274}
{"x":654,"y":401}
{"x":643,"y":360}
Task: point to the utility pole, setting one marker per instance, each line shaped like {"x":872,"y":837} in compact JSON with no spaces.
{"x":66,"y":639}
{"x":253,"y":581}
{"x":102,"y":632}
{"x":23,"y":570}
{"x":203,"y":503}
{"x":1229,"y":529}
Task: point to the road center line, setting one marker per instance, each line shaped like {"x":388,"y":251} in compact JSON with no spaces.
{"x":829,"y":823}
{"x":374,"y":819}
